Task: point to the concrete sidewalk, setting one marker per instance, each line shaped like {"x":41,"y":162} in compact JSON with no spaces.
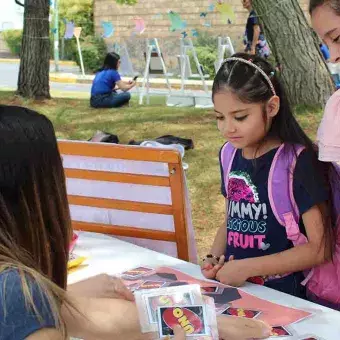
{"x":154,"y":82}
{"x":70,"y":74}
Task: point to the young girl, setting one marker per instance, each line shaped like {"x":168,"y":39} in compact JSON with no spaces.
{"x":103,"y":92}
{"x":35,"y":232}
{"x":254,"y":116}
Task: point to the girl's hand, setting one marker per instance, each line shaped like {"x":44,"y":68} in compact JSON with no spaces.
{"x":101,"y":286}
{"x":236,"y":328}
{"x":210,"y":267}
{"x":234,"y":273}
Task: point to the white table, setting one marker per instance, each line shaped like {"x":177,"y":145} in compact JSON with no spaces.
{"x":112,"y":256}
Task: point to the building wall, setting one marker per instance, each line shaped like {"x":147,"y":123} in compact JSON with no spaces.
{"x":158,"y":27}
{"x":11,"y":15}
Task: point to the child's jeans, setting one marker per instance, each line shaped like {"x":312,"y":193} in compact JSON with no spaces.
{"x":110,"y":100}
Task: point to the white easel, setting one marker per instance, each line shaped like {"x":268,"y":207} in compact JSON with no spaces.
{"x":154,"y":65}
{"x":126,"y":67}
{"x":224,"y":45}
{"x":186,"y":46}
{"x":185,"y":99}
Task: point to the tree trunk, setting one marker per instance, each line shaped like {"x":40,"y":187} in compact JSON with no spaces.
{"x":296,"y":49}
{"x":33,"y":81}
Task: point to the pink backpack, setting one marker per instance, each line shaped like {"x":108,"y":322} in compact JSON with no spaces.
{"x":322,"y":281}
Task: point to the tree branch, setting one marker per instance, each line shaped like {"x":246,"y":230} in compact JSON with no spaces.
{"x":19,"y":3}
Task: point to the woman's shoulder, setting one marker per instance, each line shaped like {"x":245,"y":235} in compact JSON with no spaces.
{"x":24,"y":306}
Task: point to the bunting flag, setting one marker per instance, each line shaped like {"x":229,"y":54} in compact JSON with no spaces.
{"x":108,"y":29}
{"x":177,"y":23}
{"x":69,"y":29}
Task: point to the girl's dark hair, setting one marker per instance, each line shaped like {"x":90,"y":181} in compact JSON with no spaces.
{"x":250,"y":86}
{"x":110,"y":62}
{"x":334,"y":4}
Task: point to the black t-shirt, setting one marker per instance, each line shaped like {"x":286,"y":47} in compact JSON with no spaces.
{"x":251,"y":22}
{"x":252,"y":228}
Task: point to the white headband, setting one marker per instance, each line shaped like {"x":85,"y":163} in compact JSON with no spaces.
{"x":248,"y":62}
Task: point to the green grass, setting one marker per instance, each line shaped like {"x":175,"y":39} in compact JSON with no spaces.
{"x":74,"y":119}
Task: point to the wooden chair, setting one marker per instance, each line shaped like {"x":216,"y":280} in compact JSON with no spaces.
{"x":135,"y":193}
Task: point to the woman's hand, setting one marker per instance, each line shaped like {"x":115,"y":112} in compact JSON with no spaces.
{"x":234,"y":272}
{"x":101,"y":286}
{"x":179,"y":333}
{"x":237,"y":328}
{"x":211,"y":267}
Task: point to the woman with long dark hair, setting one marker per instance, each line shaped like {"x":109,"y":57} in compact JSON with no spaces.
{"x":107,"y":79}
{"x":35,"y":233}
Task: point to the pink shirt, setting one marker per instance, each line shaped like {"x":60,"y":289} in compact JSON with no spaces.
{"x":329,"y":131}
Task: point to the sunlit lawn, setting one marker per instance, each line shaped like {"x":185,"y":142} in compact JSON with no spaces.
{"x":74,"y":119}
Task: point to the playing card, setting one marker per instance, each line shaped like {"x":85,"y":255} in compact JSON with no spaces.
{"x":220,"y":309}
{"x":151,"y":285}
{"x":225,"y":296}
{"x":211,"y":289}
{"x":172,"y":299}
{"x":134,"y":287}
{"x":136,"y":273}
{"x":279,"y":331}
{"x":191,"y":318}
{"x":245,"y":313}
{"x":177,"y":284}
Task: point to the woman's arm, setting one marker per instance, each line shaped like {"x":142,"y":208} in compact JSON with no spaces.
{"x":125,"y":86}
{"x":296,"y":259}
{"x":102,"y":319}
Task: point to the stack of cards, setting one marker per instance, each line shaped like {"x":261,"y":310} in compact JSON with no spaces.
{"x":192,"y":319}
{"x":137,"y":273}
{"x":163,"y":308}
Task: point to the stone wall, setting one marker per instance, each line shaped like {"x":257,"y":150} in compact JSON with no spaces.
{"x":157,"y":23}
{"x":155,"y":16}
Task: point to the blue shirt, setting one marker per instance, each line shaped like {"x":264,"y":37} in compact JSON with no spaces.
{"x":325,"y":51}
{"x":252,"y":229}
{"x":104,"y":82}
{"x":18,"y":321}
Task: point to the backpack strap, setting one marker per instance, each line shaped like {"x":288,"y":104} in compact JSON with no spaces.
{"x":227,"y":157}
{"x":281,"y":191}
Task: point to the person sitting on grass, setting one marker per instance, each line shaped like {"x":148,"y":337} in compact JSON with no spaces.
{"x":107,"y":79}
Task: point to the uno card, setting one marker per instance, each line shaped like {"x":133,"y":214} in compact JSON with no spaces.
{"x":75,"y":261}
{"x":136,"y":273}
{"x":151,"y":285}
{"x":209,"y":290}
{"x":279,"y":331}
{"x":225,"y":295}
{"x":245,"y":313}
{"x":221,"y":308}
{"x":133,"y":287}
{"x":172,"y":299}
{"x":177,"y":284}
{"x":191,"y":318}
